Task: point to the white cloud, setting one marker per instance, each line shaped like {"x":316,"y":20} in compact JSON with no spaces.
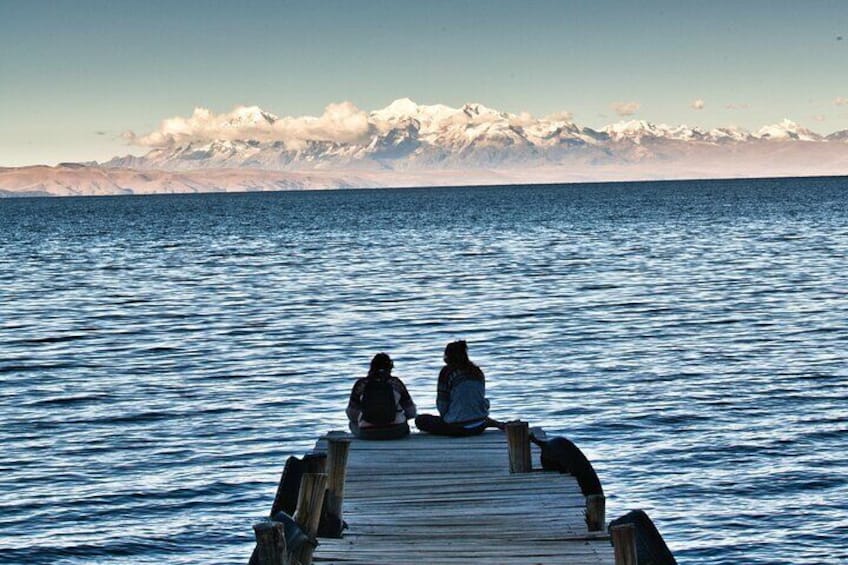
{"x":560,"y":117}
{"x":522,"y":119}
{"x":840,"y":101}
{"x":342,"y":122}
{"x":625,"y":108}
{"x":736,"y":106}
{"x":697,"y":104}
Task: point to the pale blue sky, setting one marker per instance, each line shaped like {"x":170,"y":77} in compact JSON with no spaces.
{"x":75,"y":74}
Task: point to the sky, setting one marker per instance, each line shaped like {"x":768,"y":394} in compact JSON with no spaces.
{"x":76,"y":75}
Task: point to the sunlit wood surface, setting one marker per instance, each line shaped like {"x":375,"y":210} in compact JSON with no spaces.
{"x":430,"y":499}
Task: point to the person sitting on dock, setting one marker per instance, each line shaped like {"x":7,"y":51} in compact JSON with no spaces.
{"x":460,"y":397}
{"x":379,"y":404}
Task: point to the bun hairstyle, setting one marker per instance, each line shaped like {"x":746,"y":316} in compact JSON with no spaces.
{"x":381,"y":366}
{"x":456,"y":353}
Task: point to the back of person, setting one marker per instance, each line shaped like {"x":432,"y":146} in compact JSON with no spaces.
{"x":467,"y":401}
{"x":379,"y":404}
{"x":460,"y":397}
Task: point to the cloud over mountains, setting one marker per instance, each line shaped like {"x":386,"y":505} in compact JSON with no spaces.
{"x":626,"y":108}
{"x":342,"y":123}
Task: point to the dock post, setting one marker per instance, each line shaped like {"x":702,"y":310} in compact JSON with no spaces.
{"x":308,"y":514}
{"x":596,"y":512}
{"x":518,"y":440}
{"x":337,"y":449}
{"x":315,"y":463}
{"x":270,"y":544}
{"x":286,"y":497}
{"x":624,"y":544}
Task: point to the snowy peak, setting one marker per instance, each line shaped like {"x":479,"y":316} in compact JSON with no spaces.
{"x":637,"y":130}
{"x":634,"y":130}
{"x":402,"y":107}
{"x":244,"y":116}
{"x":788,"y":130}
{"x":478,"y":111}
{"x":729,"y":134}
{"x":405,"y":110}
{"x":430,"y":115}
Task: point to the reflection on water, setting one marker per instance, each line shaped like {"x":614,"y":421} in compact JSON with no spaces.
{"x":162,"y":356}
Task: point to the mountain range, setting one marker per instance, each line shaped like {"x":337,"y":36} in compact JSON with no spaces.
{"x":407,"y":144}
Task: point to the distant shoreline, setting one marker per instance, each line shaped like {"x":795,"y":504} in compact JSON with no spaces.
{"x":68,"y":180}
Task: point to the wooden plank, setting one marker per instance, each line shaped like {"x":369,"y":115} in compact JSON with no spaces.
{"x":582,"y":553}
{"x":431,"y":499}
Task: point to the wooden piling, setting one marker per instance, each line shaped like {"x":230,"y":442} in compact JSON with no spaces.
{"x":308,"y":514}
{"x":270,"y":544}
{"x":596,"y":512}
{"x":624,"y":544}
{"x":337,"y":450}
{"x":312,"y":463}
{"x":316,"y":463}
{"x":518,"y":441}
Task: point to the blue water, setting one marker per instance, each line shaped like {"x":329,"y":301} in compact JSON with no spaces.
{"x":161,"y":356}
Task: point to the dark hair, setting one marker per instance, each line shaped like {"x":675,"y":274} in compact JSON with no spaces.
{"x":381,"y":366}
{"x":456,"y":353}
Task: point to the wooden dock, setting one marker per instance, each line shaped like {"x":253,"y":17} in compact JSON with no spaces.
{"x":438,"y":500}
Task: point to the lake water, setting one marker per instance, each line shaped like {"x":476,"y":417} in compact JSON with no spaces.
{"x":161,"y":356}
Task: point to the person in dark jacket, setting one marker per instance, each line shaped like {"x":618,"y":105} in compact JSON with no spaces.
{"x":379,"y":404}
{"x":460,"y":397}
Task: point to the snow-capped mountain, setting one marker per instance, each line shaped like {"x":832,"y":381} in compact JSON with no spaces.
{"x":788,"y":130}
{"x":409,"y":136}
{"x":838,"y":136}
{"x":250,"y":116}
{"x":409,"y":144}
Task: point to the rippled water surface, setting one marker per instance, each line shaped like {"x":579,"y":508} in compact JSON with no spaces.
{"x":160,"y":357}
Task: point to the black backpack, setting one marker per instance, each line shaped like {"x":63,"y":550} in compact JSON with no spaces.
{"x":378,"y":402}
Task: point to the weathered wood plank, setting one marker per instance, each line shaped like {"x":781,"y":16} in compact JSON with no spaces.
{"x":431,"y":499}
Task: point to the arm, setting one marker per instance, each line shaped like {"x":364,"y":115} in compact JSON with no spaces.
{"x":406,"y":402}
{"x":483,"y":380}
{"x":354,"y":406}
{"x":443,"y":392}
